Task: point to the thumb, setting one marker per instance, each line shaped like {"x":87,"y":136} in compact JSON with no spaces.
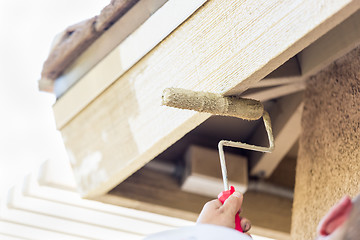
{"x":233,"y":204}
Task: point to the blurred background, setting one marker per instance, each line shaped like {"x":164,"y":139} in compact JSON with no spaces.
{"x":28,"y":135}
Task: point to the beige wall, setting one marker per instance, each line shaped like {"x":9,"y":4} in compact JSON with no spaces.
{"x":329,"y":156}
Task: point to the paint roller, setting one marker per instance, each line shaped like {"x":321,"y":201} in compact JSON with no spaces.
{"x":217,"y":104}
{"x":213,"y":103}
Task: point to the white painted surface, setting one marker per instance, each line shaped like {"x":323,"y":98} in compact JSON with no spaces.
{"x":35,"y":210}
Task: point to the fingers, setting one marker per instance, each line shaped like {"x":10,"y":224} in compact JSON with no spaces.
{"x":209,"y":213}
{"x":232,"y":205}
{"x":213,"y":204}
{"x":245,"y":224}
{"x":210,"y":207}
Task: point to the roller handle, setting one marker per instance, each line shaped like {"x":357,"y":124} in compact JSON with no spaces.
{"x":222,"y":197}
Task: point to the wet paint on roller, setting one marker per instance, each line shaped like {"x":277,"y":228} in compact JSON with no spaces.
{"x":213,"y":103}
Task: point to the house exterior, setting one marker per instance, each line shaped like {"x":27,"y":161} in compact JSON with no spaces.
{"x":300,"y":58}
{"x":46,"y":205}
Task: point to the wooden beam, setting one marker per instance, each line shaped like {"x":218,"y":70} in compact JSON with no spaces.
{"x":31,"y":188}
{"x":11,"y":236}
{"x":203,"y":172}
{"x":286,"y":129}
{"x":88,"y":216}
{"x":56,"y":173}
{"x":318,"y":55}
{"x":160,"y":193}
{"x":103,"y":45}
{"x":135,"y":42}
{"x":23,"y":231}
{"x":54,"y":213}
{"x":78,"y":37}
{"x":287,"y":73}
{"x":225,"y":48}
{"x":336,"y":43}
{"x":66,"y":226}
{"x":272,"y":82}
{"x":267,"y":94}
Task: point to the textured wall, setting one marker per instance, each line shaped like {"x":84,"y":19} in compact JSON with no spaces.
{"x":328,"y":164}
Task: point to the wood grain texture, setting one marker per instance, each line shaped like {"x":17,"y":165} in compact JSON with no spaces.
{"x":139,"y":43}
{"x":103,"y":45}
{"x":160,"y":193}
{"x":225,"y":47}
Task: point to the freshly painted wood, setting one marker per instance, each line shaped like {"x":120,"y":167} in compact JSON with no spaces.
{"x":161,"y":193}
{"x":336,"y":43}
{"x":107,"y":42}
{"x":88,"y":216}
{"x":32,"y":210}
{"x":34,"y":187}
{"x":63,"y":225}
{"x":137,"y":41}
{"x":11,"y":236}
{"x":76,"y":38}
{"x":286,"y":129}
{"x":22,"y":231}
{"x":225,"y":47}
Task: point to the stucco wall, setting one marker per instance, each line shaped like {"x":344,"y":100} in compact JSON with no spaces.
{"x":328,"y":165}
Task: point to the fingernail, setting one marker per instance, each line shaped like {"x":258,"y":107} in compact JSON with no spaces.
{"x":246,"y":226}
{"x":237,"y":194}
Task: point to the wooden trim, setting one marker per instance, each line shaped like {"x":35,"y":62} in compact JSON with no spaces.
{"x":52,"y":213}
{"x":88,"y":216}
{"x":60,"y":223}
{"x":160,"y":193}
{"x":106,"y":43}
{"x":202,"y":172}
{"x":23,"y":231}
{"x":287,"y":73}
{"x":336,"y":43}
{"x":275,"y":82}
{"x":264,"y":95}
{"x":122,"y":58}
{"x":286,"y":129}
{"x":31,"y":188}
{"x":225,"y":48}
{"x":77,"y":38}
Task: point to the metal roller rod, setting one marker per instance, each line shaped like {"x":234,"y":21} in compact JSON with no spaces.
{"x":222,"y":143}
{"x":213,"y":103}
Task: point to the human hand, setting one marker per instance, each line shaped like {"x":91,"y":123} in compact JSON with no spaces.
{"x":216,"y":213}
